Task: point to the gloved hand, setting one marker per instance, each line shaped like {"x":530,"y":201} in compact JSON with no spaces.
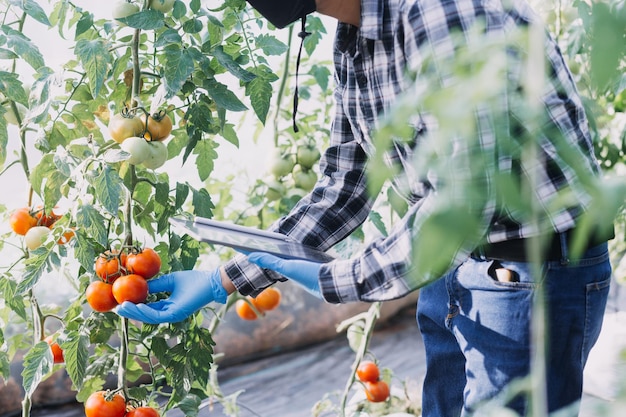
{"x":189,"y":291}
{"x":305,"y":273}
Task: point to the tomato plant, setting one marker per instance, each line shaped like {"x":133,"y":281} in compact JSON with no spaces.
{"x":145,"y":262}
{"x":103,"y":404}
{"x":99,"y":295}
{"x":368,"y":371}
{"x":143,"y":412}
{"x":132,"y":287}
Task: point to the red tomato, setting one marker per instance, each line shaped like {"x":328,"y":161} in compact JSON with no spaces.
{"x":99,"y":405}
{"x":146,"y":263}
{"x":368,"y":371}
{"x":21,"y":221}
{"x":244,"y":311}
{"x":57,"y":352}
{"x":100,"y":296}
{"x":159,"y":127}
{"x":268,"y":299}
{"x":143,"y":412}
{"x":133,"y":288}
{"x":110,"y":265}
{"x":377,"y":391}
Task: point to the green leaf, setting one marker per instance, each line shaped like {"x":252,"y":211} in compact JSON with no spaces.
{"x":4,"y":137}
{"x":222,"y":96}
{"x":231,"y":66}
{"x":95,"y":58}
{"x":37,"y":364}
{"x":84,"y":24}
{"x":322,"y":76}
{"x":39,"y":101}
{"x":108,"y":188}
{"x":23,"y":47}
{"x":230,"y":134}
{"x":206,"y":155}
{"x":8,"y":289}
{"x":182,"y":191}
{"x":34,"y":267}
{"x":260,"y":92}
{"x":76,"y":354}
{"x":270,"y":45}
{"x":7,"y":54}
{"x":192,"y":26}
{"x":12,"y":87}
{"x":190,"y":405}
{"x":145,"y":20}
{"x":202,"y":203}
{"x":93,"y":223}
{"x":32,"y":9}
{"x":378,"y":222}
{"x":189,"y":252}
{"x":178,"y":66}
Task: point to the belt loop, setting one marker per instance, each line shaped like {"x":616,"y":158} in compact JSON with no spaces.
{"x":564,"y":248}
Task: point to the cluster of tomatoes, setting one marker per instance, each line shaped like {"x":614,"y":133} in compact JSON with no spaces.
{"x":35,"y":226}
{"x":105,"y":404}
{"x":142,"y":137}
{"x":299,"y":166}
{"x":266,"y":300}
{"x":122,"y":277}
{"x":376,"y":390}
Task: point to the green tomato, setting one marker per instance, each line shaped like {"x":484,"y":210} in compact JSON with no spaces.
{"x":164,"y":6}
{"x":275,"y":190}
{"x":304,"y":178}
{"x":282,"y":165}
{"x":157,"y":155}
{"x":307,"y":155}
{"x":123,"y":9}
{"x":138,"y":148}
{"x":35,"y":236}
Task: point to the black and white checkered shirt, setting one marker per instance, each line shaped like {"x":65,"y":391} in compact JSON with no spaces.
{"x":371,"y":63}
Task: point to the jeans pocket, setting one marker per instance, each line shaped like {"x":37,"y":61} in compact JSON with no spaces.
{"x":597,"y":294}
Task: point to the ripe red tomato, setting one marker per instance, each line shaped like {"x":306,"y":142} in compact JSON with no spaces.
{"x":45,"y":219}
{"x":159,"y":126}
{"x":244,"y":311}
{"x":133,"y":288}
{"x":268,"y":299}
{"x":21,"y":221}
{"x":100,"y":405}
{"x":146,"y":263}
{"x":368,"y":371}
{"x":100,"y":296}
{"x":110,"y":265}
{"x":143,"y":412}
{"x":123,"y":126}
{"x":57,"y":352}
{"x":377,"y":391}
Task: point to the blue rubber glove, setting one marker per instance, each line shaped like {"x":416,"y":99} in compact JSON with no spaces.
{"x":305,"y":273}
{"x":189,"y":291}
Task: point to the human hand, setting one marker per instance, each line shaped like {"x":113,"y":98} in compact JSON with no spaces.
{"x":189,"y":291}
{"x":305,"y":273}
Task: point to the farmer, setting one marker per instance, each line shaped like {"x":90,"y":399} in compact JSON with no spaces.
{"x":475,"y":318}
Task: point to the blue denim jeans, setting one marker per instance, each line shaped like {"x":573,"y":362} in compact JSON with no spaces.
{"x":477,"y":330}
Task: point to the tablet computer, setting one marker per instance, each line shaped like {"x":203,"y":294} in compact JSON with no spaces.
{"x":247,"y":239}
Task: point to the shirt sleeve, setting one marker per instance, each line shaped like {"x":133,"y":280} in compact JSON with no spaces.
{"x":337,"y":205}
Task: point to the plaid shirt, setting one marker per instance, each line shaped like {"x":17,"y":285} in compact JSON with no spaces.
{"x":370,"y":71}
